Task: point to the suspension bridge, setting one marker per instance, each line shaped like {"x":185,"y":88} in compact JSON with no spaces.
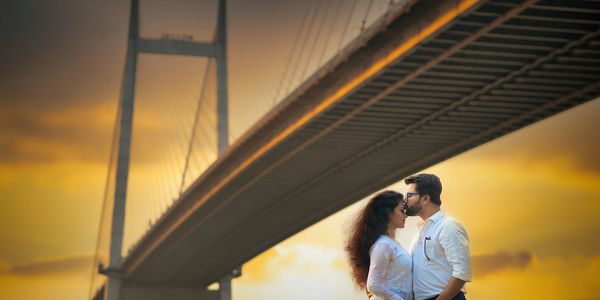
{"x":422,"y":82}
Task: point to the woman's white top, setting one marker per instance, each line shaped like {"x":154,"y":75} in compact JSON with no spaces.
{"x":390,"y":271}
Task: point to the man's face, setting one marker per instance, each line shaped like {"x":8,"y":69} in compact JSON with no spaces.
{"x":413,"y":200}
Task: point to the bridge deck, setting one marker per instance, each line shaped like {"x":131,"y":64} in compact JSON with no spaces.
{"x":420,"y":86}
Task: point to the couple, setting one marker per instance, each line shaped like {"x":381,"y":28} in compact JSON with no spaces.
{"x":439,"y":263}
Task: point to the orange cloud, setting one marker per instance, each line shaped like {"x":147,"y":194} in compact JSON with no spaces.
{"x":302,"y":258}
{"x":487,"y":264}
{"x":78,"y":133}
{"x":570,"y":277}
{"x":53,"y":266}
{"x":257,"y":269}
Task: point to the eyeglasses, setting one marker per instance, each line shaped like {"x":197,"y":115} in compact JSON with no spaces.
{"x":409,"y":194}
{"x":427,"y":238}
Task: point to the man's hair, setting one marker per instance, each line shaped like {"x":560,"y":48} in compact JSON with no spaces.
{"x":427,"y":184}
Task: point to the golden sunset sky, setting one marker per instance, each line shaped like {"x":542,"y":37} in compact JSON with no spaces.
{"x":530,"y":200}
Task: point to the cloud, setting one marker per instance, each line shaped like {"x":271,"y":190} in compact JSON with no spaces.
{"x":308,"y":259}
{"x":58,"y":81}
{"x":487,"y":264}
{"x":53,"y":266}
{"x":297,"y":271}
{"x":82,"y":133}
{"x":560,"y":277}
{"x":304,"y":258}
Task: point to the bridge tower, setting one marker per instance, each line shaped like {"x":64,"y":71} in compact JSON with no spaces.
{"x":169,"y":46}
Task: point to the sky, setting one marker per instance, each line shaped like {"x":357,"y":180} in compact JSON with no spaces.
{"x":530,"y":200}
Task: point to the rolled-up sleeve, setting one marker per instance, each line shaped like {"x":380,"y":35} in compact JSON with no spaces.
{"x":381,"y":255}
{"x":455,"y":242}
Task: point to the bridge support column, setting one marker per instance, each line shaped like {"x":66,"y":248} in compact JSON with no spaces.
{"x":221,"y":57}
{"x":225,"y":284}
{"x":125,"y":129}
{"x":167,"y":293}
{"x":225,"y":288}
{"x":115,"y":289}
{"x":157,"y":292}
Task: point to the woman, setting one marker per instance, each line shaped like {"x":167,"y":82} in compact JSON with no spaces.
{"x":378,"y":262}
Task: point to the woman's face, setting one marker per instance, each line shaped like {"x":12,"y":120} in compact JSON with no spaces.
{"x":397,"y":217}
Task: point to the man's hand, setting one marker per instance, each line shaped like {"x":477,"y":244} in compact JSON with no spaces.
{"x":451,"y":289}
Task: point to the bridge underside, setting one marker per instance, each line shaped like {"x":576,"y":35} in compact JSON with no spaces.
{"x":499,"y":66}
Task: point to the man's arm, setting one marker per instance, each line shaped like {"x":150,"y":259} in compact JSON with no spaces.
{"x":451,"y":289}
{"x":455,"y":241}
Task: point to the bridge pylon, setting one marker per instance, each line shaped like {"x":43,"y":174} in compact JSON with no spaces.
{"x":169,"y":45}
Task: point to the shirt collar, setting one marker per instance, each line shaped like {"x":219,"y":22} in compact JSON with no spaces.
{"x":433,"y":218}
{"x":437,"y":216}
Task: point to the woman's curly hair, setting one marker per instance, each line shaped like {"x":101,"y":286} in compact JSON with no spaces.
{"x":371,"y":223}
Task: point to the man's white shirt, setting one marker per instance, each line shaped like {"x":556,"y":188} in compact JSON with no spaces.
{"x":440,"y":251}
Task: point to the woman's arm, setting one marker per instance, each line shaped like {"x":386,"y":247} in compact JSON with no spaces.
{"x":381,"y":256}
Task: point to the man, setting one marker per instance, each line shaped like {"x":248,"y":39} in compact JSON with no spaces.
{"x":441,"y":260}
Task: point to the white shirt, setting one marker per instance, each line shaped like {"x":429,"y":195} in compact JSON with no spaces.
{"x":440,"y":251}
{"x":390,"y":271}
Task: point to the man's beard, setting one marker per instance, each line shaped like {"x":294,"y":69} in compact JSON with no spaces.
{"x":413,"y":210}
